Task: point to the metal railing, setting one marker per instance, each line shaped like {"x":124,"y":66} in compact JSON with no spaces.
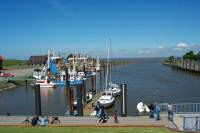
{"x":191,"y":123}
{"x":182,"y":107}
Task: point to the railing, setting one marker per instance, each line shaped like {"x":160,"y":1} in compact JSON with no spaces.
{"x":191,"y":124}
{"x":182,"y":107}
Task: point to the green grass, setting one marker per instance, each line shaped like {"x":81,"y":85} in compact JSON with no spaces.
{"x":13,"y":62}
{"x":81,"y":130}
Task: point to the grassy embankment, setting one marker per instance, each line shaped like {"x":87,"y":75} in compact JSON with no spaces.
{"x":82,"y":130}
{"x":16,"y":64}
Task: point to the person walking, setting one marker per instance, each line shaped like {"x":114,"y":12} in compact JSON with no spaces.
{"x":102,"y":114}
{"x":115,"y":117}
{"x":157,"y":109}
{"x":170,"y":112}
{"x":97,"y":109}
{"x":151,"y":113}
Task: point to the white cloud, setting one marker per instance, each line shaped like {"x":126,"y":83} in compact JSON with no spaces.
{"x":182,"y":45}
{"x":160,"y":47}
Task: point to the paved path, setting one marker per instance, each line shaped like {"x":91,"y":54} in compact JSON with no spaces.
{"x":93,"y":121}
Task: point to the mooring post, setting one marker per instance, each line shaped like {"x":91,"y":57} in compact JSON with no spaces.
{"x":95,"y":83}
{"x":84,"y":92}
{"x":67,"y":78}
{"x":26,"y":82}
{"x":79,"y":99}
{"x":71,"y":101}
{"x":92,"y":82}
{"x":38,"y":111}
{"x":124,"y":100}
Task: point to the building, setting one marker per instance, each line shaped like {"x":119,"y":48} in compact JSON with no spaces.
{"x":1,"y":62}
{"x":38,"y":60}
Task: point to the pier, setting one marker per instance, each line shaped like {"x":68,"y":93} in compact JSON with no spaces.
{"x":186,"y":65}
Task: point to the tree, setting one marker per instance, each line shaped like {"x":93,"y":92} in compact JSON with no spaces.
{"x":189,"y":55}
{"x":171,"y":58}
{"x":198,"y":56}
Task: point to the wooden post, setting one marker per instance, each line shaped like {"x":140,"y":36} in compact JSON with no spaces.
{"x":92,"y":82}
{"x":67,"y":78}
{"x":79,"y":99}
{"x":71,"y":101}
{"x":124,"y":100}
{"x":84,"y":92}
{"x":38,"y":111}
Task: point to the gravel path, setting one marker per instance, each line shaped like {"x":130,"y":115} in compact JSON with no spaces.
{"x":22,"y":72}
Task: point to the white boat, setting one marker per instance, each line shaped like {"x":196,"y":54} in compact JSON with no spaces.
{"x":115,"y":89}
{"x":141,"y":107}
{"x":45,"y":83}
{"x":107,"y":99}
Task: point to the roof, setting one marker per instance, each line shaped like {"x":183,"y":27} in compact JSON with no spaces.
{"x":1,"y":57}
{"x":39,"y":59}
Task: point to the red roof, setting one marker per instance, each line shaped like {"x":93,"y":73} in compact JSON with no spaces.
{"x":1,"y":57}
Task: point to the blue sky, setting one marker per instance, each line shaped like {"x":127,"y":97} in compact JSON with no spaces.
{"x":138,"y":28}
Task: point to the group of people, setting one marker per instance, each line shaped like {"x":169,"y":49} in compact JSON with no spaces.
{"x":155,"y":111}
{"x":100,"y":113}
{"x":42,"y":121}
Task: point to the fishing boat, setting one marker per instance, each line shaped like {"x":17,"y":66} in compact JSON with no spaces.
{"x":107,"y":99}
{"x":45,"y":83}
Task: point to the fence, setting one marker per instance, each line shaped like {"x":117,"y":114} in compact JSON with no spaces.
{"x":191,"y":123}
{"x":182,"y":107}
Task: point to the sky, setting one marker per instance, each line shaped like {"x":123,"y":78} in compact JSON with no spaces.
{"x":137,"y":28}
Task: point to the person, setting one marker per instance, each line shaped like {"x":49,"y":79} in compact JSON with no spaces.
{"x":157,"y":110}
{"x":102,"y":115}
{"x":151,"y":113}
{"x":115,"y":117}
{"x":97,"y":109}
{"x":55,"y":120}
{"x":170,"y":112}
{"x":43,"y":121}
{"x":35,"y":120}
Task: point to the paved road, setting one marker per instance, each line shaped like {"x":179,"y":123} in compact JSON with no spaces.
{"x":93,"y":121}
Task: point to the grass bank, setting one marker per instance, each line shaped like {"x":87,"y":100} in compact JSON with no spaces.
{"x":82,"y":130}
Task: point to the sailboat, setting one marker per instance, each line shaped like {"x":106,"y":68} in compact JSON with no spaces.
{"x":107,"y":99}
{"x":113,"y":87}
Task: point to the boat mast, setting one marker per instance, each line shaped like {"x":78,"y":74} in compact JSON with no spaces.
{"x":107,"y":67}
{"x":48,"y":61}
{"x":110,"y":63}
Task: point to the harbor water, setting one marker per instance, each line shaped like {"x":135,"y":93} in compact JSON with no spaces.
{"x":147,"y":80}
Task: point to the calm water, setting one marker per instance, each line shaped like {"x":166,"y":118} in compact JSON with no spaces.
{"x":147,"y":80}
